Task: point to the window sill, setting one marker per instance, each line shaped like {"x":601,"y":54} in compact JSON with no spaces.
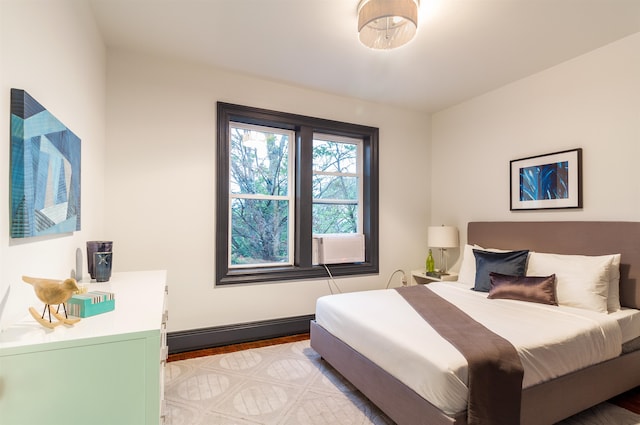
{"x":279,"y":274}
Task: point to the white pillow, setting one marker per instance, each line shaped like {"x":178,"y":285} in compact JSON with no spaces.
{"x":613,"y":300}
{"x":581,"y":281}
{"x":467,"y":273}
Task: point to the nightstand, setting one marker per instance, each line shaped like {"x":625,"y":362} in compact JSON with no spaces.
{"x":420,"y":277}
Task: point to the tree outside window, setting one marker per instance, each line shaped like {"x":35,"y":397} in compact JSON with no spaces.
{"x":259,"y":188}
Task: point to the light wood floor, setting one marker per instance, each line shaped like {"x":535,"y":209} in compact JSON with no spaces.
{"x":629,"y":400}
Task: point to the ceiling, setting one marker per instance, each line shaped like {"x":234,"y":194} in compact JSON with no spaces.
{"x":463,"y":48}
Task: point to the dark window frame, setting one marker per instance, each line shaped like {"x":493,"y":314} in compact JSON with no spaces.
{"x":304,"y":128}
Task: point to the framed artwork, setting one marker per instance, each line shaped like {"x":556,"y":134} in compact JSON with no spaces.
{"x":547,"y":181}
{"x":45,"y":171}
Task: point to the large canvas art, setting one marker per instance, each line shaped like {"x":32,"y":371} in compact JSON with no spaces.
{"x":45,"y":171}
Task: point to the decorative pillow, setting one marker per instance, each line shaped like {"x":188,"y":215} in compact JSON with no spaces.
{"x":467,"y":272}
{"x":581,"y":281}
{"x":510,"y":263}
{"x":535,"y":289}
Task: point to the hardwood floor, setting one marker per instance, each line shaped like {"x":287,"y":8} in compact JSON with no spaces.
{"x":629,"y":400}
{"x":236,"y":347}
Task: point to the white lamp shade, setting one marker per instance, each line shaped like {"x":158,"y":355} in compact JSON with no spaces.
{"x":443,"y":237}
{"x":387,"y":24}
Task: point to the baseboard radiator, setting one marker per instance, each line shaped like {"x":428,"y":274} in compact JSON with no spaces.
{"x":198,"y":339}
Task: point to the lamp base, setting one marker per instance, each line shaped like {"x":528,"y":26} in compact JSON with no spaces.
{"x":443,"y":262}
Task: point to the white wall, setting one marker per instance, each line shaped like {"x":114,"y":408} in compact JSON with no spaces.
{"x":160,"y":184}
{"x":51,"y":49}
{"x":157,"y":170}
{"x":591,"y":102}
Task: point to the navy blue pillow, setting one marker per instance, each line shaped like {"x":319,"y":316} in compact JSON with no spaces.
{"x":512,"y":263}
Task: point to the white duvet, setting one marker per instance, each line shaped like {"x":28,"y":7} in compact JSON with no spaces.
{"x":550,"y":340}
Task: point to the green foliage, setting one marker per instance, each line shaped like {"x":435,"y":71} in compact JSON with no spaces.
{"x":335,"y":208}
{"x":259,"y":232}
{"x":259,"y":166}
{"x":328,"y":218}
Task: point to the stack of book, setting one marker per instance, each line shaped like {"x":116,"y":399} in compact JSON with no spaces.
{"x":90,"y":303}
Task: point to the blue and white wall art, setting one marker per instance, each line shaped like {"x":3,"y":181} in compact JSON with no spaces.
{"x":547,"y":181}
{"x":45,"y":171}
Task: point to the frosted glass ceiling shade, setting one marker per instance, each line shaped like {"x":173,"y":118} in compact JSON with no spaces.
{"x":387,"y":24}
{"x":443,"y":237}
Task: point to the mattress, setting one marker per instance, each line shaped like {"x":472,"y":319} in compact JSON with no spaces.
{"x":629,"y":322}
{"x":550,"y":340}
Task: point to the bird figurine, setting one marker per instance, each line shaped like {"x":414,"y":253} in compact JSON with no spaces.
{"x":52,"y":292}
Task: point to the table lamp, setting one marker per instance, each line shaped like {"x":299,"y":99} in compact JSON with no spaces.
{"x":443,"y":237}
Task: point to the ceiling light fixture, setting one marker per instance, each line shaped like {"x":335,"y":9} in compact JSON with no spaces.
{"x":387,"y":24}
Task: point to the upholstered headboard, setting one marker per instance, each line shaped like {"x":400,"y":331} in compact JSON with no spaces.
{"x":570,"y":237}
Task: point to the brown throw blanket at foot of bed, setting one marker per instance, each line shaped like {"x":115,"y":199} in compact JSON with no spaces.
{"x":495,"y":370}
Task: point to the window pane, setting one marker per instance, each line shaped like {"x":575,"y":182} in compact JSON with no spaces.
{"x":335,"y":218}
{"x":335,"y":187}
{"x":259,"y":232}
{"x":335,"y":157}
{"x":259,"y":162}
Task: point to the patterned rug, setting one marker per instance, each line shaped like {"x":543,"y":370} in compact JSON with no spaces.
{"x":288,"y":384}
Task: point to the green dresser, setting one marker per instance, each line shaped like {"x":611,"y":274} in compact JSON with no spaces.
{"x":107,"y":369}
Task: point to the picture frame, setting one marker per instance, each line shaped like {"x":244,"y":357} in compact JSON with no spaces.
{"x":549,"y":181}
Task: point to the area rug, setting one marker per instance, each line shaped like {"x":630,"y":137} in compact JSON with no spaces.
{"x":288,"y":384}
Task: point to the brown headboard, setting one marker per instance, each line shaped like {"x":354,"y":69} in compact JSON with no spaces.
{"x":570,"y":237}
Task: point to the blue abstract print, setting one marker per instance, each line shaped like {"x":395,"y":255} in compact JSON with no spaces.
{"x":548,"y":181}
{"x":45,"y":171}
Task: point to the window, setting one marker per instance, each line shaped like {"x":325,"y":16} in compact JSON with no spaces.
{"x":260,"y":199}
{"x":337,"y":184}
{"x":281,"y":178}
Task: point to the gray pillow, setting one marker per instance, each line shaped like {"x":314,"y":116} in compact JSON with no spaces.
{"x":535,"y":289}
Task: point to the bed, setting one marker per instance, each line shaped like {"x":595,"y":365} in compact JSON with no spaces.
{"x":545,"y":399}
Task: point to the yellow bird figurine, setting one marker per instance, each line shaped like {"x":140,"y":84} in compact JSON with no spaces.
{"x":52,"y":292}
